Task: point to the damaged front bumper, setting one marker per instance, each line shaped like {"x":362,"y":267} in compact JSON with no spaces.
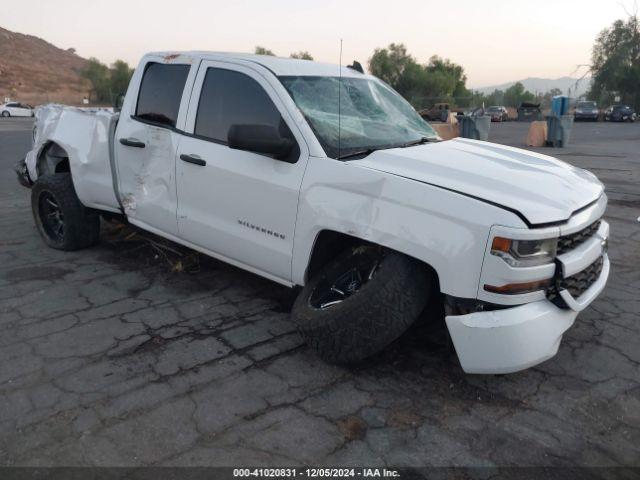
{"x":23,"y":174}
{"x":513,"y":339}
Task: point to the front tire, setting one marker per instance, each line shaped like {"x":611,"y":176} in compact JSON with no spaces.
{"x":361,"y":302}
{"x":5,"y":114}
{"x":62,"y":221}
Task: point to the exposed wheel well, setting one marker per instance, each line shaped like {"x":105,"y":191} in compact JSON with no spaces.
{"x":52,"y":159}
{"x":330,"y":244}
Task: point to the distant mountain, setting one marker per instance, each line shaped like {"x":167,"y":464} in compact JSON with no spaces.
{"x":34,"y":71}
{"x":543,"y":85}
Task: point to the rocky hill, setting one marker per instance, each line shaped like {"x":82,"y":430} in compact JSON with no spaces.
{"x":34,"y":71}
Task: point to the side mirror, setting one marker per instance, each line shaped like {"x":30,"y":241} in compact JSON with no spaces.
{"x":260,"y":139}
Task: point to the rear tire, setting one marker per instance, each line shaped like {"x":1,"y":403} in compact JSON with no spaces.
{"x":5,"y":114}
{"x":393,"y":291}
{"x":62,"y":221}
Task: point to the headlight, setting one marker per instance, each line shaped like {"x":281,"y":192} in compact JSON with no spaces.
{"x":525,"y":253}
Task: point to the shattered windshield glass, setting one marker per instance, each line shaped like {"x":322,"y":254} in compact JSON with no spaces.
{"x":373,"y":116}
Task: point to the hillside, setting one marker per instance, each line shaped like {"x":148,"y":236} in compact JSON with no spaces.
{"x":34,"y":71}
{"x":543,"y":85}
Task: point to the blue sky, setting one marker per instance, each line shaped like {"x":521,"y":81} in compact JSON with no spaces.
{"x":495,"y":40}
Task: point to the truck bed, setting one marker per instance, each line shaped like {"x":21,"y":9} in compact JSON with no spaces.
{"x":85,"y":137}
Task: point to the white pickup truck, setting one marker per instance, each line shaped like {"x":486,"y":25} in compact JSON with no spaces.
{"x":321,"y":177}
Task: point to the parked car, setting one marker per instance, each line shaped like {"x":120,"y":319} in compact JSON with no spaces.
{"x":16,"y":109}
{"x":620,"y":113}
{"x":247,"y":159}
{"x":439,"y":112}
{"x":497,"y":113}
{"x":586,"y":111}
{"x":528,"y":112}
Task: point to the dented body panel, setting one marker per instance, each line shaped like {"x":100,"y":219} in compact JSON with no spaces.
{"x":147,"y":180}
{"x":85,"y":136}
{"x":398,"y":213}
{"x":147,"y":176}
{"x":441,"y":203}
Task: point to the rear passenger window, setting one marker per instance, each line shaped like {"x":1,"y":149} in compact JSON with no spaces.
{"x":161,"y":92}
{"x":233,"y":98}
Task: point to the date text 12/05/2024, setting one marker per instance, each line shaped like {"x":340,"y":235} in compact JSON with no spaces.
{"x":315,"y":473}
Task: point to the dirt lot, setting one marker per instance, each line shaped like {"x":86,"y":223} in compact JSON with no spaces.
{"x":110,"y":356}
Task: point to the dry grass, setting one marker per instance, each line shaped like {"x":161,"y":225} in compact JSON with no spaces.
{"x":133,"y":242}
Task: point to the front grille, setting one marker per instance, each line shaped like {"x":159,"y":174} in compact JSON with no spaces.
{"x":577,"y":284}
{"x":569,"y":242}
{"x":581,"y":281}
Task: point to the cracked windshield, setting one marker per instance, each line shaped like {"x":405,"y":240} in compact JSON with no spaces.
{"x":373,"y":116}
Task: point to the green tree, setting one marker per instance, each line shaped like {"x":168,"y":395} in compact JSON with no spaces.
{"x":107,"y":83}
{"x":263,"y":51}
{"x":389,"y":64}
{"x":548,"y":96}
{"x":448,"y":78}
{"x":98,"y":75}
{"x":615,"y":63}
{"x":495,"y":98}
{"x":516,"y":94}
{"x":120,"y":74}
{"x":421,"y":85}
{"x":302,"y":55}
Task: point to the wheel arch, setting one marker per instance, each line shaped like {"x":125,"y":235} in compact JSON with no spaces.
{"x":52,"y":159}
{"x":330,"y":243}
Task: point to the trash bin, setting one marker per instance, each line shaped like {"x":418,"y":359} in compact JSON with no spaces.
{"x":476,"y":128}
{"x":559,"y":130}
{"x":567,"y":125}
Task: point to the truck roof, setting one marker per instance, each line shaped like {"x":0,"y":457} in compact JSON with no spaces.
{"x":280,"y":66}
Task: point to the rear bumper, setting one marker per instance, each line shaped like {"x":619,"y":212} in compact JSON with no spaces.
{"x":586,"y":116}
{"x":513,"y":339}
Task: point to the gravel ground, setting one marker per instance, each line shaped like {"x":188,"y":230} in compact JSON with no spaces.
{"x":131,"y":354}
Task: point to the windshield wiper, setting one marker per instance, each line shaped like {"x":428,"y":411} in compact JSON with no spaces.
{"x":367,"y":151}
{"x":363,"y":153}
{"x":416,"y":142}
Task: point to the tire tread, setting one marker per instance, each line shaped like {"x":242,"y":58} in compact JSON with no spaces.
{"x":82,"y":225}
{"x":372,"y":318}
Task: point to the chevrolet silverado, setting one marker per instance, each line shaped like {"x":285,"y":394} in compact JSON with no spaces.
{"x":321,"y":177}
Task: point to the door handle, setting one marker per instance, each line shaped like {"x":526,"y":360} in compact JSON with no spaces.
{"x":132,"y":142}
{"x":196,"y":160}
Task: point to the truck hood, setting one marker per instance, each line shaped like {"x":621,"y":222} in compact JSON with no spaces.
{"x":538,"y":188}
